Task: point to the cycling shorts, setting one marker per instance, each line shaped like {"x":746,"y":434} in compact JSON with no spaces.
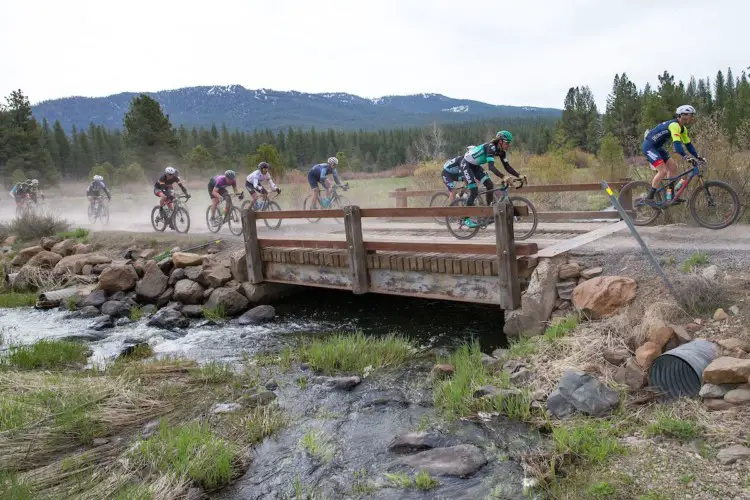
{"x":473,"y":174}
{"x":450,"y":179}
{"x":158,"y":190}
{"x":313,"y":179}
{"x":655,"y":156}
{"x":251,"y":189}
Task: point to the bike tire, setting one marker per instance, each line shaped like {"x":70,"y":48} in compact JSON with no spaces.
{"x":339,"y":203}
{"x":468,"y":232}
{"x":235,"y":221}
{"x":246,"y":204}
{"x":701,"y":192}
{"x":532,"y":218}
{"x":104,"y":215}
{"x":306,"y":205}
{"x":439,"y":199}
{"x":92,"y":215}
{"x":211,"y":227}
{"x":181,"y":217}
{"x":643,"y":215}
{"x":273,"y":224}
{"x":161,"y":225}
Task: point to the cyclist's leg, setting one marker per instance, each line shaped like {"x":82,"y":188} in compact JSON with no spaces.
{"x":450,"y":182}
{"x":252,"y":191}
{"x":312,"y":180}
{"x":657,"y":159}
{"x":488,"y":184}
{"x":213,"y":197}
{"x":468,"y":171}
{"x":159,"y":193}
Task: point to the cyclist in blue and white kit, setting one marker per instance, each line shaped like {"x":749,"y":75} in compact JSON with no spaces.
{"x":253,"y":181}
{"x":451,"y":174}
{"x":317,"y":175}
{"x":95,"y":189}
{"x":471,"y":167}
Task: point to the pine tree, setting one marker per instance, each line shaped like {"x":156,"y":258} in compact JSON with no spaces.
{"x":623,"y":112}
{"x":149,"y":136}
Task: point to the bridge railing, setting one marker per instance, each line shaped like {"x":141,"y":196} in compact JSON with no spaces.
{"x":505,"y":249}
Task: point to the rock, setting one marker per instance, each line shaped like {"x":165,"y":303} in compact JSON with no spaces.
{"x":559,"y":406}
{"x":660,"y":336}
{"x":10,"y":240}
{"x":646,"y":354}
{"x":730,"y":455}
{"x":102,"y":323}
{"x":65,"y":248}
{"x":88,"y":312}
{"x":260,"y":399}
{"x":117,"y":278}
{"x":631,"y":376}
{"x":569,"y":271}
{"x":87,"y":269}
{"x":414,"y":441}
{"x":461,"y":461}
{"x":177,"y":275}
{"x":537,"y":302}
{"x":739,"y":396}
{"x":183,"y":259}
{"x":512,"y":366}
{"x":188,"y":292}
{"x":98,"y":269}
{"x":207,"y":293}
{"x":443,"y":371}
{"x":233,"y":302}
{"x":222,"y":408}
{"x":148,"y":253}
{"x":720,"y":315}
{"x":340,"y":383}
{"x":168,"y":319}
{"x":726,"y":370}
{"x":131,"y":253}
{"x":215,"y":276}
{"x":710,"y":272}
{"x":23,"y":256}
{"x":95,"y":298}
{"x":616,"y":356}
{"x":492,"y":391}
{"x":165,"y":297}
{"x":128,"y":350}
{"x":238,"y":266}
{"x":735,"y":344}
{"x":148,"y":310}
{"x":153,"y":284}
{"x":565,"y":289}
{"x":587,"y":394}
{"x":48,"y":242}
{"x":491,"y":363}
{"x":604,"y":295}
{"x":381,"y":398}
{"x":139,"y":267}
{"x":522,"y":376}
{"x":592,"y":272}
{"x":99,"y":441}
{"x":264,"y":293}
{"x":712,"y":391}
{"x":81,"y":248}
{"x":271,"y":385}
{"x":258,"y":315}
{"x":734,"y":310}
{"x":192,"y":311}
{"x":692,"y":327}
{"x":165,"y":265}
{"x":233,"y":285}
{"x":116,"y":308}
{"x":681,"y":334}
{"x":501,"y":353}
{"x":193,"y":273}
{"x":717,"y":404}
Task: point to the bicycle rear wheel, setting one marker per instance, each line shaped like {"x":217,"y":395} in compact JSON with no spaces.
{"x":104,"y":215}
{"x":715,"y":198}
{"x":181,"y":220}
{"x":439,"y":200}
{"x":274,"y":224}
{"x":157,"y":221}
{"x":214,"y":225}
{"x":634,"y":194}
{"x":235,"y":221}
{"x":307,"y":205}
{"x":457,"y":225}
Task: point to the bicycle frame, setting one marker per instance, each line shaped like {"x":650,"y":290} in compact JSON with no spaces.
{"x":692,"y":173}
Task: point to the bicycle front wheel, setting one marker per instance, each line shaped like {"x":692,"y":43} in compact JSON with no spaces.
{"x":235,"y":221}
{"x":157,"y":221}
{"x":439,"y":200}
{"x":274,"y":224}
{"x":715,"y":205}
{"x":181,"y":220}
{"x":458,"y":226}
{"x":523,"y":225}
{"x":307,"y":205}
{"x":92,"y":214}
{"x":634,"y":194}
{"x":104,"y":215}
{"x":214,"y":225}
{"x":339,"y":203}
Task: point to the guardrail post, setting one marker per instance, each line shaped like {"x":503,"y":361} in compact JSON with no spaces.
{"x":510,"y":288}
{"x":356,"y":248}
{"x":252,"y":247}
{"x":401,"y":202}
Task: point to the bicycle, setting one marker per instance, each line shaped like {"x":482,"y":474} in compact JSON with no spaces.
{"x":232,"y":216}
{"x":713,"y":194}
{"x":440,"y":199}
{"x":464,"y":232}
{"x":334,"y":201}
{"x":176,"y":217}
{"x":27,"y":206}
{"x":98,"y":210}
{"x":264,"y":205}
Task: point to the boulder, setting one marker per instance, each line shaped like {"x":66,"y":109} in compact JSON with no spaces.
{"x":646,"y":354}
{"x":23,"y":256}
{"x":223,"y":408}
{"x":569,"y":271}
{"x":739,"y":396}
{"x":718,"y":404}
{"x":168,"y":319}
{"x":207,"y":293}
{"x":720,"y":315}
{"x":233,"y":302}
{"x":443,"y":371}
{"x":587,"y":394}
{"x":140,"y":267}
{"x":48,"y":242}
{"x":192,"y":311}
{"x":617,"y":356}
{"x":712,"y":391}
{"x":183,"y":259}
{"x":116,"y":308}
{"x":565,"y":289}
{"x":131,"y":253}
{"x":73,"y":264}
{"x":88,"y":312}
{"x":102,"y":323}
{"x":65,"y":248}
{"x":414,"y":441}
{"x":188,"y":292}
{"x":559,"y":406}
{"x":233,"y":285}
{"x":87,"y":269}
{"x":148,"y":310}
{"x":604,"y":295}
{"x":258,"y":399}
{"x":193,"y":273}
{"x":592,"y":272}
{"x":177,"y":275}
{"x":44,"y":259}
{"x":538,"y":302}
{"x":341,"y":383}
{"x":521,"y":376}
{"x":238,"y":266}
{"x":660,"y":335}
{"x":153,"y":284}
{"x":631,"y":376}
{"x":462,"y":460}
{"x":729,"y":344}
{"x":681,"y":334}
{"x":118,"y":278}
{"x":263,"y":293}
{"x":258,"y":315}
{"x":148,"y":253}
{"x":727,"y":370}
{"x":165,"y":265}
{"x":730,"y":455}
{"x":215,"y":276}
{"x":81,"y":248}
{"x":95,"y":298}
{"x":165,"y":297}
{"x":10,"y":240}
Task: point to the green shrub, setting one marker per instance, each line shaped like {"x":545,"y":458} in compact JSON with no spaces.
{"x":46,"y":355}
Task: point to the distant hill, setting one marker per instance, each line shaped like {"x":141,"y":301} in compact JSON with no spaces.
{"x":245,"y":109}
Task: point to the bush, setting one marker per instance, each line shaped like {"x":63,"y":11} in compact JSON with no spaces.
{"x":32,"y":227}
{"x":427,"y":176}
{"x":132,"y":174}
{"x":106,"y":170}
{"x":46,"y":355}
{"x":18,"y":176}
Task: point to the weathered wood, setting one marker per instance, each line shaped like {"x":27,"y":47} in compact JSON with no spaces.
{"x":455,"y":287}
{"x":253,"y":254}
{"x":555,"y":216}
{"x":357,"y":255}
{"x":542,"y":188}
{"x":302,"y":214}
{"x":401,"y":202}
{"x":582,"y":239}
{"x":510,"y":288}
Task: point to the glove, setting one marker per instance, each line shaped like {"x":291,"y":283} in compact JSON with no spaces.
{"x":693,"y":160}
{"x":345,"y":187}
{"x":187,"y":196}
{"x":278,"y":191}
{"x":241,"y":196}
{"x":701,"y":159}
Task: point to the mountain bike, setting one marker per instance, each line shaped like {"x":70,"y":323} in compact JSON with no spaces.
{"x":523,"y":225}
{"x":27,"y":206}
{"x":226,"y":213}
{"x":98,"y":211}
{"x":264,"y":205}
{"x":176,"y":217}
{"x":440,"y":199}
{"x":334,"y":201}
{"x":709,"y":198}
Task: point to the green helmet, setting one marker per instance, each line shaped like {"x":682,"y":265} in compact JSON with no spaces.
{"x":504,"y":135}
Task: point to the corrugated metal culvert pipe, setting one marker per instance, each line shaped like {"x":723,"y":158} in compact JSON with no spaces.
{"x":679,"y":372}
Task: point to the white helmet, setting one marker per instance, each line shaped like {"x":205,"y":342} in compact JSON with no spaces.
{"x":333,"y":161}
{"x":685,"y":109}
{"x":34,"y":182}
{"x":98,"y":178}
{"x":170,"y":171}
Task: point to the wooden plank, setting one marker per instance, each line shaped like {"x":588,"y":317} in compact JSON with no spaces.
{"x":510,"y":288}
{"x":556,"y":216}
{"x":542,"y":188}
{"x":476,"y":211}
{"x":486,"y":268}
{"x":385,"y":261}
{"x":252,"y":247}
{"x":401,"y":202}
{"x":370,"y":261}
{"x":479,"y":289}
{"x":465,"y":266}
{"x":302,"y":214}
{"x":582,"y":239}
{"x":441,"y":264}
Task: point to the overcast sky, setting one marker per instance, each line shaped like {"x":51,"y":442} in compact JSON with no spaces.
{"x":518,"y":53}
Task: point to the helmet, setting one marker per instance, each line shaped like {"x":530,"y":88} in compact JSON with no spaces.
{"x":263,"y":165}
{"x":333,"y":161}
{"x":34,"y":182}
{"x":230,"y":174}
{"x":98,"y":178}
{"x":685,"y":109}
{"x":504,"y":136}
{"x":170,"y":171}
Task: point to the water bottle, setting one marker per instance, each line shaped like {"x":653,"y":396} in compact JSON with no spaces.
{"x":679,"y":185}
{"x":325,"y":202}
{"x":669,"y":194}
{"x":258,"y":205}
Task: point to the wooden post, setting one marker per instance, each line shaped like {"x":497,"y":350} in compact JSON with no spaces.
{"x":401,"y":202}
{"x":252,"y":247}
{"x":356,"y":248}
{"x":510,"y":288}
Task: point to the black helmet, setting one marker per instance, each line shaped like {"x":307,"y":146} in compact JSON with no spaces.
{"x":263,"y":165}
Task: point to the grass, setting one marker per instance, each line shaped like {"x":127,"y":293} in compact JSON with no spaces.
{"x":700,"y":296}
{"x":317,"y":446}
{"x":695,"y":259}
{"x":522,"y":348}
{"x":591,"y":442}
{"x":399,"y":479}
{"x":668,"y":426}
{"x":71,"y":303}
{"x":46,"y":355}
{"x":361,"y":483}
{"x":356,"y":353}
{"x":16,"y":299}
{"x":216,"y":314}
{"x":140,"y":352}
{"x":192,"y":450}
{"x":601,"y":490}
{"x":560,"y":328}
{"x":687,"y":478}
{"x":213,"y":372}
{"x":423,"y":481}
{"x":136,"y":313}
{"x":12,"y":489}
{"x":264,"y":421}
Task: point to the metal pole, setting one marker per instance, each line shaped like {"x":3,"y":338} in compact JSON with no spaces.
{"x":637,"y":236}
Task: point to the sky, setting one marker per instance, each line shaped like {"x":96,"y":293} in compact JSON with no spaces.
{"x":517,"y":53}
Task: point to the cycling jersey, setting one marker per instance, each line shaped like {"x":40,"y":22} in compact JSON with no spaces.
{"x":223,"y":182}
{"x":321,"y":170}
{"x":450,"y":179}
{"x":253,"y":180}
{"x":655,"y":138}
{"x":19,"y":189}
{"x":453,"y":166}
{"x":95,"y":187}
{"x":165,"y":183}
{"x":486,"y":153}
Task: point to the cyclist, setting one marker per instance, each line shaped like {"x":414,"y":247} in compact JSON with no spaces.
{"x":163,"y":188}
{"x":471,"y":168}
{"x":20,"y":191}
{"x":658,"y":157}
{"x":318,"y":175}
{"x":217,"y":189}
{"x":95,"y":189}
{"x":253,"y":181}
{"x":451,"y":174}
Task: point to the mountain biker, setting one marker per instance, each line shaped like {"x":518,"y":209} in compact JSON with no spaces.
{"x":451,"y":174}
{"x":658,"y":157}
{"x":217,"y":189}
{"x":94,"y":191}
{"x":471,"y":167}
{"x":163,"y":188}
{"x":253,"y":181}
{"x":20,"y":190}
{"x":318,"y":175}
